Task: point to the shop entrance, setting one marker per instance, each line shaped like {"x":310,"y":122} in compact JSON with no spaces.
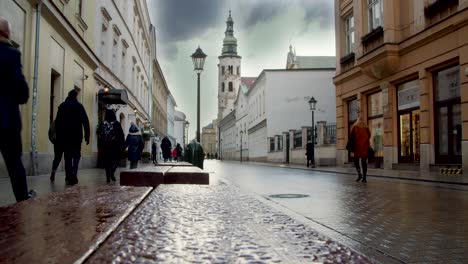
{"x":409,"y":136}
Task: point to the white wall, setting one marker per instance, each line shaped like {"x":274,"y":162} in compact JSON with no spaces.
{"x":287,"y":96}
{"x":170,"y":116}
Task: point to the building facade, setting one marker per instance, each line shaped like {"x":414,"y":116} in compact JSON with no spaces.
{"x":66,"y":61}
{"x":208,"y":139}
{"x":159,"y":96}
{"x":180,"y":128}
{"x":403,"y":66}
{"x":171,"y":105}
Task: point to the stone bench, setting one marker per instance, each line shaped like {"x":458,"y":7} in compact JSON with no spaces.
{"x":153,"y":176}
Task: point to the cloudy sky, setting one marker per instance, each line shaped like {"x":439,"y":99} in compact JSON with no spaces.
{"x":264,"y":30}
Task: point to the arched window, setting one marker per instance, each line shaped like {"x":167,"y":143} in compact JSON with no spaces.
{"x":222,"y":87}
{"x":222,"y":70}
{"x":230,"y":87}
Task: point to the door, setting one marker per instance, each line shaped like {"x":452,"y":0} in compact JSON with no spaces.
{"x":409,"y":136}
{"x":449,"y":133}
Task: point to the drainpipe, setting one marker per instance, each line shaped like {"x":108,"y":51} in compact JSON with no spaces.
{"x":34,"y":161}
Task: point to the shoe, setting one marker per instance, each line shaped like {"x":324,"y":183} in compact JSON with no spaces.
{"x":113,"y":178}
{"x":52,"y":176}
{"x":32,"y":194}
{"x":359,"y":176}
{"x":364,"y":180}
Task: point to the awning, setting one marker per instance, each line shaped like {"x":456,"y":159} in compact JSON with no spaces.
{"x":113,"y":96}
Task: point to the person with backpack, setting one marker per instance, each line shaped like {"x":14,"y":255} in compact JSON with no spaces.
{"x":112,"y":141}
{"x":58,"y":151}
{"x":166,"y":147}
{"x":135,"y":145}
{"x":69,"y":125}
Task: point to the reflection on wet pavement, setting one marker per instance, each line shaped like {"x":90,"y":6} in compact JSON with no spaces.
{"x":62,"y":227}
{"x":407,"y":221}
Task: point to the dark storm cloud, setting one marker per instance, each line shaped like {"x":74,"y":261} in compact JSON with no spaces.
{"x":321,"y":12}
{"x":178,"y":20}
{"x":259,"y":12}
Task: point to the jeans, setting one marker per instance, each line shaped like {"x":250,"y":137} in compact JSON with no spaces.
{"x":110,"y":166}
{"x":11,"y":148}
{"x":133,"y":164}
{"x":58,"y":153}
{"x":358,"y":167}
{"x":72,"y":160}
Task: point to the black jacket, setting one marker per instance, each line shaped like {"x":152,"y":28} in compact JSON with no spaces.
{"x":166,"y":147}
{"x":70,"y":122}
{"x":13,"y":87}
{"x":135,"y":144}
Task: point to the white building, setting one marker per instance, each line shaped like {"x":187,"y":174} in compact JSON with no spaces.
{"x":171,"y":105}
{"x":180,"y":126}
{"x":123,"y":45}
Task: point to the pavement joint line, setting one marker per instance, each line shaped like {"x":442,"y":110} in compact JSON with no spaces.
{"x":294,"y":215}
{"x":350,"y":173}
{"x":104,"y":236}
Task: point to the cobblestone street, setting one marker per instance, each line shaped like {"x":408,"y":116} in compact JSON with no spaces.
{"x":403,"y":221}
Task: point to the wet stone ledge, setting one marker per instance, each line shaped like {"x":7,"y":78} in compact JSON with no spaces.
{"x":64,"y":227}
{"x":215,"y":224}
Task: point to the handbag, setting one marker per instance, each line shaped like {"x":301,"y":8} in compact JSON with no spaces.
{"x":371,"y":153}
{"x":350,"y":144}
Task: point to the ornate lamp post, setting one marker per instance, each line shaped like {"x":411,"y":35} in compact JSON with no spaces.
{"x":313,"y":105}
{"x":198,"y":58}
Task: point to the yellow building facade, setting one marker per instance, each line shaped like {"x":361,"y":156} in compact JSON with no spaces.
{"x":403,"y":67}
{"x":65,"y":61}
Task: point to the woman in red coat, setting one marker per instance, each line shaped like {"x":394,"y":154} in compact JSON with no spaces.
{"x":360,"y":134}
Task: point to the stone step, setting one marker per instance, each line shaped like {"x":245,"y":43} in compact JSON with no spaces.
{"x":153,"y":176}
{"x":175,"y":164}
{"x":186,"y":175}
{"x":64,"y":227}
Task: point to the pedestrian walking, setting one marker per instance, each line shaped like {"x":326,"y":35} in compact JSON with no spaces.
{"x":69,"y":125}
{"x":178,"y":152}
{"x":135,"y":145}
{"x":112,"y":141}
{"x":174,"y":153}
{"x":194,"y":154}
{"x":14,"y":91}
{"x":310,"y":154}
{"x":166,"y":147}
{"x":359,"y":145}
{"x":58,"y":151}
{"x":154,"y":153}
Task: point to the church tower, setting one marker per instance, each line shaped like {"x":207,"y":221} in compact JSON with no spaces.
{"x":229,"y":71}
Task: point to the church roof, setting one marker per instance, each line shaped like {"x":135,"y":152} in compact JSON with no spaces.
{"x":248,"y":81}
{"x":315,"y":62}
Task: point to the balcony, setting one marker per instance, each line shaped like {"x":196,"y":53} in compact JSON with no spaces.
{"x":373,"y":39}
{"x":440,"y":7}
{"x":347,"y":62}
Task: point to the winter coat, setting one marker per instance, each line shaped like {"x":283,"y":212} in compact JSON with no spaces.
{"x":309,"y":151}
{"x":13,"y":87}
{"x":166,"y":147}
{"x":179,"y":150}
{"x":153,"y":149}
{"x":113,"y":150}
{"x":361,"y":134}
{"x":70,"y":122}
{"x":195,"y":154}
{"x":135,"y":144}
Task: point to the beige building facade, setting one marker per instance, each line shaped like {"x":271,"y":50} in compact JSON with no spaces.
{"x":208,"y":139}
{"x":403,"y":67}
{"x":66,"y":61}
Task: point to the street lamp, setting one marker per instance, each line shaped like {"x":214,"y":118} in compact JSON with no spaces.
{"x":186,"y":132}
{"x":198,"y":58}
{"x":241,"y":133}
{"x":313,"y":104}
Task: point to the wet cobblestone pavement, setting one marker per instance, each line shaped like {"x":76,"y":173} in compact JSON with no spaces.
{"x":62,"y":227}
{"x":215,"y":224}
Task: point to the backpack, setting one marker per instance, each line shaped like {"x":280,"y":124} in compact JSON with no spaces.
{"x":108,"y":134}
{"x":52,"y":132}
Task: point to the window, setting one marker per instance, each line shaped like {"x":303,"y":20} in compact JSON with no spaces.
{"x":238,"y":70}
{"x":349,"y":23}
{"x":222,"y":87}
{"x":375,"y":14}
{"x":272,"y":144}
{"x":230,"y":87}
{"x":280,"y":143}
{"x":231,"y":70}
{"x":297,"y":139}
{"x":375,"y":116}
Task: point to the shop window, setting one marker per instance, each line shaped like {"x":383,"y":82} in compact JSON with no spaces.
{"x":375,"y":122}
{"x":408,"y":121}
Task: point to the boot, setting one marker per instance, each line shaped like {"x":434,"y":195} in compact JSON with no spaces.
{"x":113,"y":178}
{"x":359,"y":176}
{"x":52,"y":176}
{"x":364,"y":180}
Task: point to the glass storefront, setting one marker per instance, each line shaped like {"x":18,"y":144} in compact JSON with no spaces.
{"x":375,"y":121}
{"x":448,"y":115}
{"x":409,"y":125}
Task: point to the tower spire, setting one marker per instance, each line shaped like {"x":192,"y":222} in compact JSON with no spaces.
{"x":229,"y":42}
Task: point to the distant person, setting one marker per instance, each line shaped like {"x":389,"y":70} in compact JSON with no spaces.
{"x":194,"y":154}
{"x":154,"y":153}
{"x":166,"y":147}
{"x":178,"y":152}
{"x":58,"y":151}
{"x":112,"y":140}
{"x":14,"y":91}
{"x":310,"y":154}
{"x":135,"y":145}
{"x":360,"y":136}
{"x":69,"y":124}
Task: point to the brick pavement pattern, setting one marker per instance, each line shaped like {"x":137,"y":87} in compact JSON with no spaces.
{"x":215,"y":224}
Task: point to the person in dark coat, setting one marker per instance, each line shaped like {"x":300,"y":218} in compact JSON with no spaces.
{"x":112,"y":143}
{"x":69,"y":125}
{"x":58,"y":152}
{"x":154,"y":153}
{"x":194,"y":154}
{"x":178,"y":152}
{"x":135,"y":145}
{"x":310,"y":154}
{"x":166,"y":147}
{"x":14,"y":91}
